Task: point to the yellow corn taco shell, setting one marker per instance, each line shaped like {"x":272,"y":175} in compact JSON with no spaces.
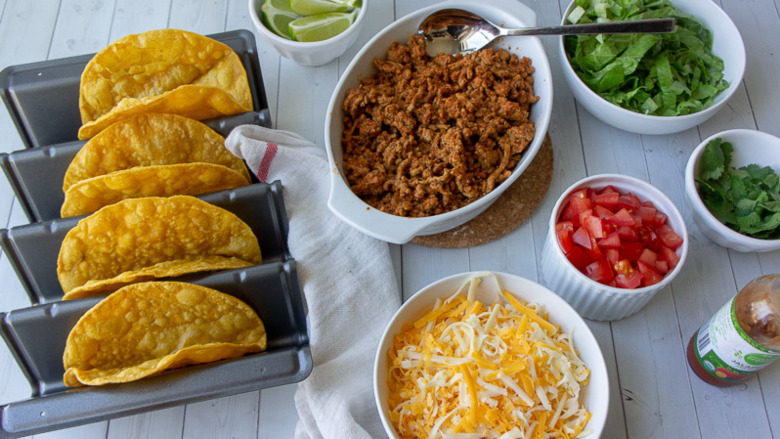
{"x":151,"y":237}
{"x":150,"y":139}
{"x":146,"y":328}
{"x":87,"y":196}
{"x":161,"y":71}
{"x":161,"y":270}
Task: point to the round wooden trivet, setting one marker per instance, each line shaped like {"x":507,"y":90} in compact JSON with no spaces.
{"x":507,"y":213}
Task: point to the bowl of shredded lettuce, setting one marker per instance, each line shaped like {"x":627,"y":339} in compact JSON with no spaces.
{"x":733,"y":188}
{"x":653,"y":83}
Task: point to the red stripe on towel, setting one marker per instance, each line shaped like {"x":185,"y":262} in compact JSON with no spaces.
{"x":265,"y":164}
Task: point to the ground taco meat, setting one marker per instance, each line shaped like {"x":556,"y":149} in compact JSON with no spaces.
{"x":424,"y":136}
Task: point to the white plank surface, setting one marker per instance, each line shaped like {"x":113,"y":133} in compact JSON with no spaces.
{"x":653,"y":393}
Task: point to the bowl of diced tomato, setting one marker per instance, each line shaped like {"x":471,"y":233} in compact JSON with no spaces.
{"x":614,"y":241}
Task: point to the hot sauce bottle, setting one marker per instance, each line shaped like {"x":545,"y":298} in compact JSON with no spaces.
{"x":741,"y":338}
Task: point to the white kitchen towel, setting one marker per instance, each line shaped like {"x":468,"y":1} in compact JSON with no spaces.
{"x":346,"y":276}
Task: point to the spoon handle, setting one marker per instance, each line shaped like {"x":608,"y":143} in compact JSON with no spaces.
{"x":656,"y":25}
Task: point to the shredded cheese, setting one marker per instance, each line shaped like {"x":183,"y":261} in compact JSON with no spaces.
{"x":467,"y":370}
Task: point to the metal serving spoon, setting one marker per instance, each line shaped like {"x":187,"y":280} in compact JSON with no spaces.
{"x":458,"y":31}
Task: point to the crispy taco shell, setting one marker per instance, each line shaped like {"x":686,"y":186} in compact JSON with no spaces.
{"x":146,"y":328}
{"x":161,"y":71}
{"x":152,"y":237}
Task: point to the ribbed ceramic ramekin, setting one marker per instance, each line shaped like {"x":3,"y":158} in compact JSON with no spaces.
{"x":591,"y":299}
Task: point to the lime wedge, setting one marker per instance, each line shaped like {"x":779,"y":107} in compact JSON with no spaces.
{"x":350,"y":3}
{"x":321,"y":26}
{"x":277,"y":16}
{"x":281,"y":5}
{"x":316,"y":7}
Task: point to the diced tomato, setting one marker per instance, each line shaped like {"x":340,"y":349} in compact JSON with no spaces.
{"x":625,"y":274}
{"x":649,"y":274}
{"x":600,"y":271}
{"x":580,"y":193}
{"x":627,"y":233}
{"x":593,"y":225}
{"x":565,"y":225}
{"x":616,"y":239}
{"x":595,"y":251}
{"x":647,"y":214}
{"x":623,"y":266}
{"x":611,"y":241}
{"x":608,"y":189}
{"x":630,"y":280}
{"x":602,"y":212}
{"x":628,"y":201}
{"x":612,"y":255}
{"x":637,"y":220}
{"x":631,"y":250}
{"x":622,"y":218}
{"x":579,"y":203}
{"x":584,"y":214}
{"x":660,"y":218}
{"x":579,"y":258}
{"x":608,"y":200}
{"x":669,"y":237}
{"x":567,"y":214}
{"x":670,"y":256}
{"x":646,"y":236}
{"x":581,"y":238}
{"x":564,"y":230}
{"x":648,"y":257}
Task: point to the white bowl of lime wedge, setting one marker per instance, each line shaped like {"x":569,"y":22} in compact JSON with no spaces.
{"x":309,"y":32}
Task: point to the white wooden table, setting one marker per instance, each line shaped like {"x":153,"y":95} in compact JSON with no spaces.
{"x":653,"y":392}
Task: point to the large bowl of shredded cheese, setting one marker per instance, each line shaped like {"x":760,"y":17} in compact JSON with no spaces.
{"x":489,"y":355}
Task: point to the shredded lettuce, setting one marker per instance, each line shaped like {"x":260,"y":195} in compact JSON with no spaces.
{"x":658,"y":74}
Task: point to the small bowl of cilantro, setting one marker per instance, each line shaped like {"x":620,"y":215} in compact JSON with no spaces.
{"x":653,"y":83}
{"x":733,"y":188}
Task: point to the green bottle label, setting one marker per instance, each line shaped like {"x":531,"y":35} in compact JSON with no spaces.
{"x":726,"y":352}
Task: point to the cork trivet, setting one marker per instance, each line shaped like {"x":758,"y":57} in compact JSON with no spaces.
{"x":507,"y":213}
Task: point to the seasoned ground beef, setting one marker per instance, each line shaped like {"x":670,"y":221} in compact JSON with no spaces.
{"x":424,"y":136}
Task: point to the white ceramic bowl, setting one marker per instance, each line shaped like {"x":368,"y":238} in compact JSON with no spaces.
{"x":395,"y":229}
{"x":314,"y":53}
{"x":595,"y":395}
{"x":594,"y":300}
{"x":727,"y":44}
{"x":750,"y":146}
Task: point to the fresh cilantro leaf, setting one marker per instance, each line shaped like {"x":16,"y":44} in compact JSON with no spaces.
{"x":714,"y":157}
{"x":747,"y":199}
{"x":772,"y":206}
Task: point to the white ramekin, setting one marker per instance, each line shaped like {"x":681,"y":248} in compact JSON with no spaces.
{"x":592,"y":299}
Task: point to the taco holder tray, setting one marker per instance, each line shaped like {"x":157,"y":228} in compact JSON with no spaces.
{"x":271,"y":288}
{"x":32,"y":249}
{"x":36,"y":174}
{"x":42,"y":99}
